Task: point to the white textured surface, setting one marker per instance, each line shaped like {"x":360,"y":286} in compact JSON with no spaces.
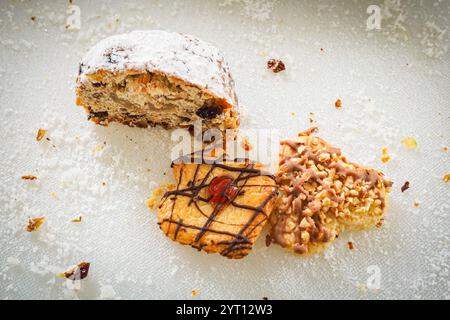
{"x":393,"y":83}
{"x":182,"y":56}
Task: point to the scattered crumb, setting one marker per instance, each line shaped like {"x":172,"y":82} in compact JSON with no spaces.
{"x":311,"y":120}
{"x":385,"y":157}
{"x":338,"y":103}
{"x":268,"y":240}
{"x":35,"y":223}
{"x":416,"y":203}
{"x":54,"y":195}
{"x":33,"y":18}
{"x":350,"y":245}
{"x":195,"y":292}
{"x":28,"y":177}
{"x":245,"y":144}
{"x":265,"y":298}
{"x":293,"y":114}
{"x":409,"y":143}
{"x":321,"y":49}
{"x":380,"y":223}
{"x":40,"y":134}
{"x":153,"y":201}
{"x":405,"y":186}
{"x":446,"y":178}
{"x":78,"y":272}
{"x":276,"y":65}
{"x":78,"y":219}
{"x":445,"y":149}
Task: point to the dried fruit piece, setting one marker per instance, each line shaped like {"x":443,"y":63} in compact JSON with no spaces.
{"x":40,"y":134}
{"x":409,"y":143}
{"x":222,"y":189}
{"x":35,"y":223}
{"x":77,"y":273}
{"x":338,"y":103}
{"x":276,"y":65}
{"x":446,"y":177}
{"x":28,"y":177}
{"x":385,"y":157}
{"x":76,"y":219}
{"x":405,"y":186}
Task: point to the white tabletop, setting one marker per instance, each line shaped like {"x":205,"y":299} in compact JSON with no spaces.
{"x":393,"y":83}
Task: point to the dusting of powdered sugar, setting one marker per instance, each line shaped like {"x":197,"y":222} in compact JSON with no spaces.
{"x":179,"y":55}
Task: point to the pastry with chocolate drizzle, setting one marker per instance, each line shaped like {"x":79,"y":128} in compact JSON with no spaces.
{"x":218,"y":207}
{"x":321,"y":194}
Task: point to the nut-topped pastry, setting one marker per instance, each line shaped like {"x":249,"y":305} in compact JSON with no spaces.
{"x":321,"y":194}
{"x":155,"y":77}
{"x":218,"y":208}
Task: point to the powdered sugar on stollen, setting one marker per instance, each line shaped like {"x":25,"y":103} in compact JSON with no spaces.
{"x":183,"y":56}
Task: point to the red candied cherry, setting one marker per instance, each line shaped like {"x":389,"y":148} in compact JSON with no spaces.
{"x":222,"y":189}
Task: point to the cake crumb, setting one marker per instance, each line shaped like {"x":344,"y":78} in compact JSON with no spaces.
{"x":195,"y":292}
{"x":28,"y":177}
{"x":385,"y":157}
{"x":409,"y":143}
{"x":350,"y":245}
{"x":33,"y":18}
{"x":245,"y":144}
{"x":445,"y":148}
{"x":446,"y":178}
{"x":35,"y":223}
{"x":40,"y":134}
{"x":76,"y":220}
{"x":276,"y":65}
{"x":338,"y":103}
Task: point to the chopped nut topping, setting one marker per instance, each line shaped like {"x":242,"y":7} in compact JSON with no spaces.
{"x":76,"y":219}
{"x":276,"y":65}
{"x":385,"y":157}
{"x":405,"y":186}
{"x":77,"y":273}
{"x":321,"y":193}
{"x":35,"y":223}
{"x":410,"y":143}
{"x":338,"y":103}
{"x":446,"y":178}
{"x":28,"y":177}
{"x":40,"y":134}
